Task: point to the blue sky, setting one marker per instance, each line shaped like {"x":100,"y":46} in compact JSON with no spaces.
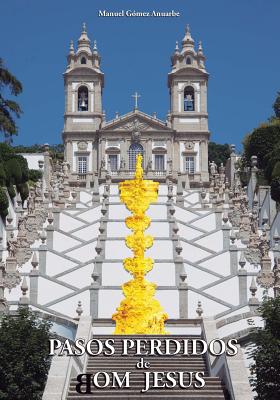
{"x":240,"y":39}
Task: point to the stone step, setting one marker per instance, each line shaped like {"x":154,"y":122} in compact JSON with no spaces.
{"x":132,"y":363}
{"x":121,"y":364}
{"x":124,"y":396}
{"x":187,"y":394}
{"x":119,"y":369}
{"x":211,"y":384}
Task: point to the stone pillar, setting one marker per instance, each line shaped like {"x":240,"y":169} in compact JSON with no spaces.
{"x":169,"y":153}
{"x":233,"y":259}
{"x":56,"y":216}
{"x":43,"y":258}
{"x":232,"y":165}
{"x":126,"y":148}
{"x":47,"y":171}
{"x":179,"y":196}
{"x":69,"y":155}
{"x":95,"y":286}
{"x":88,"y":176}
{"x":218,"y":217}
{"x":183,"y":296}
{"x":177,"y":156}
{"x":242,"y":276}
{"x":102,"y":152}
{"x":34,"y":286}
{"x":203,"y":154}
{"x":254,"y":170}
{"x":178,"y":261}
{"x":50,"y":231}
{"x":226,"y":232}
{"x":94,"y":298}
{"x":94,"y":156}
{"x":34,"y":274}
{"x":95,"y":193}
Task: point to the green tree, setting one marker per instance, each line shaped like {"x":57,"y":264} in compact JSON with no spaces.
{"x":13,"y":171}
{"x":275,"y":189}
{"x":56,"y":150}
{"x":276,"y":106}
{"x":2,"y":175}
{"x":266,"y":353}
{"x":24,"y":356}
{"x":34,"y":175}
{"x":4,"y":203}
{"x":23,"y":190}
{"x":261,"y":143}
{"x":219,"y":153}
{"x":9,"y":109}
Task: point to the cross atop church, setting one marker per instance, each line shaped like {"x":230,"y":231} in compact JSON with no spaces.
{"x":136,"y":97}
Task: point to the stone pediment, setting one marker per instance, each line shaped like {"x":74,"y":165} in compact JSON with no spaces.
{"x":83,"y":71}
{"x":136,"y":121}
{"x":191,"y":72}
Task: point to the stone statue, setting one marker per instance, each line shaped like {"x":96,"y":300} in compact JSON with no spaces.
{"x":264,"y":245}
{"x":11,"y":246}
{"x":149,"y":165}
{"x":31,"y":202}
{"x":21,"y":224}
{"x":254,"y":222}
{"x":213,"y":168}
{"x":103,"y":163}
{"x":122,"y":163}
{"x":169,"y":162}
{"x":38,"y":190}
{"x":136,"y":136}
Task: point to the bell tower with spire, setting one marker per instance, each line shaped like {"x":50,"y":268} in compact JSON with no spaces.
{"x":83,"y":83}
{"x":187,"y":83}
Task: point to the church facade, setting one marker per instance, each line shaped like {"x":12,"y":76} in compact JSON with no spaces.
{"x":177,"y":147}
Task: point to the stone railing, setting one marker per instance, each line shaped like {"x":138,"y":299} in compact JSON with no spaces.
{"x":63,"y":368}
{"x":231,"y":370}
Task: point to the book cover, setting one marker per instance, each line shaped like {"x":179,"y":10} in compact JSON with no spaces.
{"x":139,"y":200}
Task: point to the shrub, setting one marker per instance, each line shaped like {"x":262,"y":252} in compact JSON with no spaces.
{"x":275,"y":189}
{"x":276,"y":170}
{"x":24,"y":168}
{"x":11,"y":191}
{"x":13,"y":171}
{"x":276,"y":106}
{"x":3,"y":176}
{"x":4,"y":203}
{"x":219,"y":153}
{"x":6,"y":152}
{"x":35,"y":175}
{"x":24,"y":352}
{"x":261,"y":142}
{"x":265,"y":353}
{"x":23,"y":190}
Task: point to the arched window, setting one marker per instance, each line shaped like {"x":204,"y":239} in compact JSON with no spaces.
{"x":133,"y":151}
{"x":188,"y":60}
{"x":83,"y":60}
{"x":83,"y":98}
{"x":189,"y":99}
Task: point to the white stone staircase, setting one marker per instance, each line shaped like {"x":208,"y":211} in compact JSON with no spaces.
{"x":194,"y":260}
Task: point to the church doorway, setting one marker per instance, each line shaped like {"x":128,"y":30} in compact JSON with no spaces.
{"x":133,"y":151}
